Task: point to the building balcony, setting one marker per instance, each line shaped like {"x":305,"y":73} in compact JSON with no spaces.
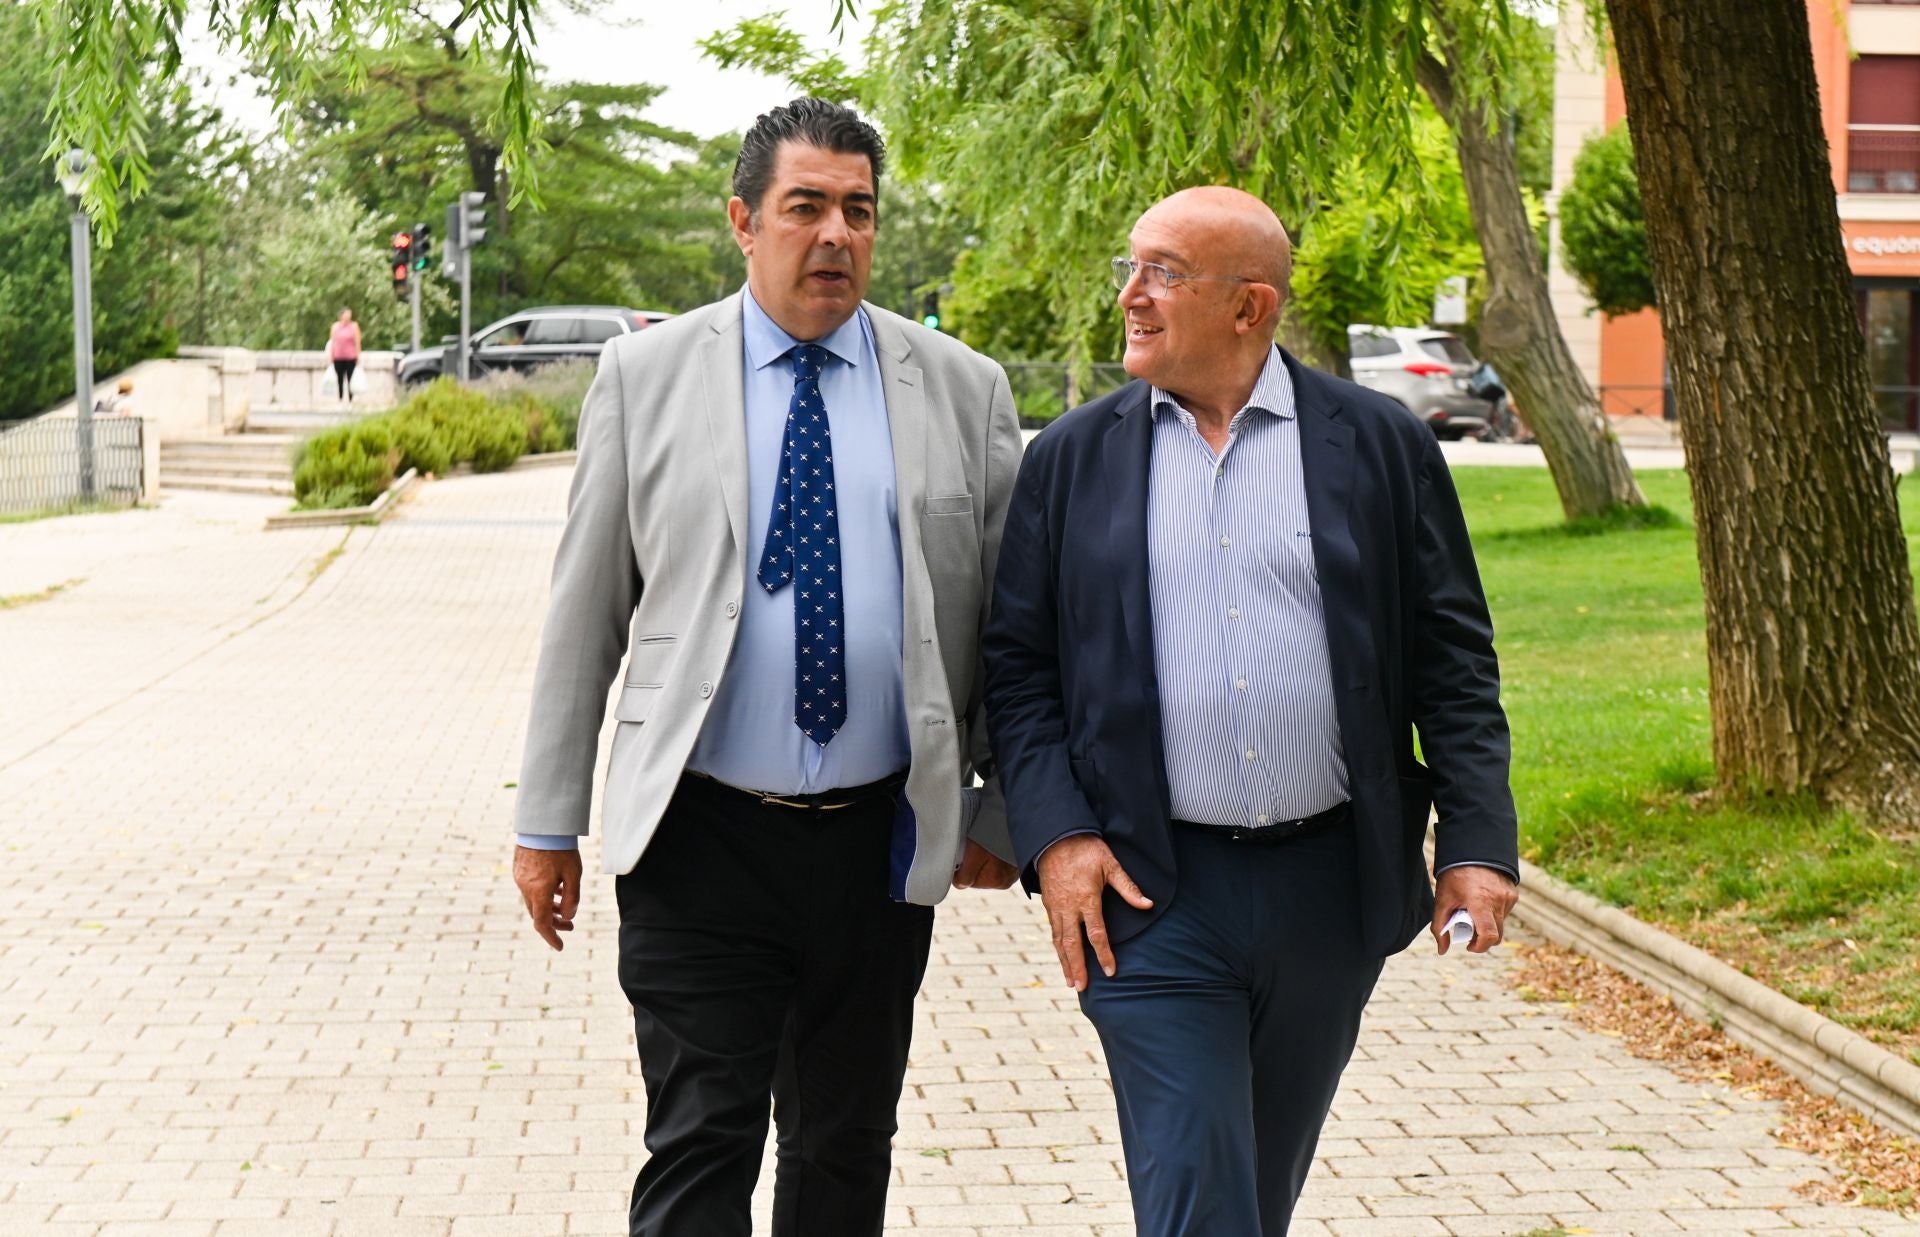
{"x":1883,"y":158}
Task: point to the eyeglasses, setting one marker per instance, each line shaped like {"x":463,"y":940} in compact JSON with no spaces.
{"x":1158,"y":280}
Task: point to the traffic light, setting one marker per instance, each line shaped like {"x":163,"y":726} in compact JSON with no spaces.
{"x":422,"y":246}
{"x":930,"y":311}
{"x":400,"y":258}
{"x":473,"y":218}
{"x":466,"y":228}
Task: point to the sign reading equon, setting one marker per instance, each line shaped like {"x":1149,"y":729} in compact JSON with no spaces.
{"x":1885,"y":246}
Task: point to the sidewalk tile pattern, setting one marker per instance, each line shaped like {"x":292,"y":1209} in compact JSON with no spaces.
{"x":263,"y":971}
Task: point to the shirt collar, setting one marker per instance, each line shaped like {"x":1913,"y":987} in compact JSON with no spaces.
{"x":767,"y":342}
{"x":1272,"y":392}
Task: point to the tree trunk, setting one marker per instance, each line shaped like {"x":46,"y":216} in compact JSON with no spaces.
{"x":1812,"y":649}
{"x":1518,"y":331}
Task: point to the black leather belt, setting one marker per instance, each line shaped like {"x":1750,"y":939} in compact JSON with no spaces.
{"x":823,"y":801}
{"x":1280,"y":831}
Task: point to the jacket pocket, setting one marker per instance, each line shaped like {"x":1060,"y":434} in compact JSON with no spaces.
{"x":652,"y":655}
{"x":949,"y":504}
{"x":635,"y":703}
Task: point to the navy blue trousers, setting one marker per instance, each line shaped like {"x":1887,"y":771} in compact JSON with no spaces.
{"x":1226,"y":1026}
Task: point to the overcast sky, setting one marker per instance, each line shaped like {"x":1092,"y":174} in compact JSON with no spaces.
{"x":658,"y":47}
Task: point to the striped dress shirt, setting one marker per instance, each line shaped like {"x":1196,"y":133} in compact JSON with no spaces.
{"x":1239,"y":635}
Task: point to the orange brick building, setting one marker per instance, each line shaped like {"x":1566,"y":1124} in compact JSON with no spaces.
{"x":1867,"y":56}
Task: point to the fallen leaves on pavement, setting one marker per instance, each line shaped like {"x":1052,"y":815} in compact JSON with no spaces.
{"x":1873,"y":1167}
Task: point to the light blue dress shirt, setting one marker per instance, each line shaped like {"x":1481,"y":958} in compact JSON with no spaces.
{"x":1249,"y":733}
{"x":749,"y":738}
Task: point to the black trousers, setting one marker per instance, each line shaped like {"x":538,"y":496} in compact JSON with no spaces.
{"x":1226,"y":1025}
{"x":343,"y":378}
{"x":764,"y":961}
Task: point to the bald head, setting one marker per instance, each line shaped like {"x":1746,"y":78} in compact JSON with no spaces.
{"x":1204,"y":330}
{"x":1239,"y":233}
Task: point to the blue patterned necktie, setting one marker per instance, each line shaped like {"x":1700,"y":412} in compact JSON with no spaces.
{"x":803,"y":545}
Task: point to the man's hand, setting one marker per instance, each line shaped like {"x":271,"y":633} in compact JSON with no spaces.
{"x":980,"y":868}
{"x":549,"y":880}
{"x":1486,"y":893}
{"x":1074,"y":872}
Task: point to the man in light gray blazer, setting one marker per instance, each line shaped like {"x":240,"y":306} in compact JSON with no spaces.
{"x":786,"y":511}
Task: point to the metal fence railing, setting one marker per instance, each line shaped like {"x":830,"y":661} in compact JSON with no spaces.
{"x":1632,"y":401}
{"x":1899,"y":406}
{"x":40,"y":464}
{"x":1042,"y":390}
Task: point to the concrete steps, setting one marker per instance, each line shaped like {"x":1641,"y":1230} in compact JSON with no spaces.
{"x":303,"y":421}
{"x":257,"y":463}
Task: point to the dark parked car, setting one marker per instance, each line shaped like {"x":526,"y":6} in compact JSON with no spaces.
{"x":531,"y":338}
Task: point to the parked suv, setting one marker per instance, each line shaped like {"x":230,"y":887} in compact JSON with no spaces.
{"x":1427,"y":371}
{"x":531,"y":338}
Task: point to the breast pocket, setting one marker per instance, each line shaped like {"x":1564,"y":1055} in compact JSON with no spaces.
{"x":1292,"y":563}
{"x":949,"y":504}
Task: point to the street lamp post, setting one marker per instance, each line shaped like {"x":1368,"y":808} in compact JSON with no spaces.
{"x":75,"y":166}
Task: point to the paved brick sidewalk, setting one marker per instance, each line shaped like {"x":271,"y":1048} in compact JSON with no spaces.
{"x":261,"y":969}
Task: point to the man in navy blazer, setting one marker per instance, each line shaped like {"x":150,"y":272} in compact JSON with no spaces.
{"x":1228,"y":595}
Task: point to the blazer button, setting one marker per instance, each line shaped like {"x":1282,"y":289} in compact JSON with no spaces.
{"x":706,"y":689}
{"x":733,"y":608}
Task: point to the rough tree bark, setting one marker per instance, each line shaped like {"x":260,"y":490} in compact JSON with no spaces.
{"x":1812,"y":648}
{"x":1518,"y":331}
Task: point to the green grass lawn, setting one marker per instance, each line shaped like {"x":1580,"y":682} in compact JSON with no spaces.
{"x":1603,"y":658}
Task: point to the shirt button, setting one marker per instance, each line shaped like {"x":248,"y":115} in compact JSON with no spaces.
{"x":733,"y":608}
{"x":1241,"y":684}
{"x":706,"y":689}
{"x":1260,"y":819}
{"x":1233,"y":612}
{"x":1252,"y":755}
{"x":1220,"y":470}
{"x":1225,"y":542}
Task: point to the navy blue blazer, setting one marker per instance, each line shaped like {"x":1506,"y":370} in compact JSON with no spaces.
{"x":1073,"y":709}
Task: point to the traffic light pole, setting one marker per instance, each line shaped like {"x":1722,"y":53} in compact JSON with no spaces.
{"x":466,"y":312}
{"x":414,"y":297}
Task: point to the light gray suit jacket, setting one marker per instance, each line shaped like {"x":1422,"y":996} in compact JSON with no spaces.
{"x":654,"y":559}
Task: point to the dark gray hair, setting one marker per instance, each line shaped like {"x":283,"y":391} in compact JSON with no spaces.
{"x":811,"y":122}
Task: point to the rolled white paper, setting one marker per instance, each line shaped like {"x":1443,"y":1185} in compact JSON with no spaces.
{"x":1460,"y":927}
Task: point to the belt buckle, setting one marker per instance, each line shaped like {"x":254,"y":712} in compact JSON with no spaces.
{"x":767,"y":800}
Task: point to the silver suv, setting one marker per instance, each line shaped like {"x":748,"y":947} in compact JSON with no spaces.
{"x":1426,"y":370}
{"x":531,"y":338}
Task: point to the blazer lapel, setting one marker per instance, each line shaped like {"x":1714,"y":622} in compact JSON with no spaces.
{"x":907,"y":424}
{"x":1326,"y":465}
{"x":1127,"y":450}
{"x":721,"y":363}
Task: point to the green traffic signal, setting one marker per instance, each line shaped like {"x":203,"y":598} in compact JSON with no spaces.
{"x":931,"y":322}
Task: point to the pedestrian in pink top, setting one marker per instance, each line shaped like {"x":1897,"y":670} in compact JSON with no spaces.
{"x":343,"y":349}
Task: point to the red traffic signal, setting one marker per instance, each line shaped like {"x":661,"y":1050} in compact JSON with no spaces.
{"x":402,"y":262}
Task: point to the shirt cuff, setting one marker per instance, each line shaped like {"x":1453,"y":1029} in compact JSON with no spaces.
{"x":1063,"y":837}
{"x":547,"y":841}
{"x":1501,"y":868}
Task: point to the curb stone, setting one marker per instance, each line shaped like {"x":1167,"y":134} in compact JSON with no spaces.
{"x":1826,"y":1056}
{"x":372,"y":513}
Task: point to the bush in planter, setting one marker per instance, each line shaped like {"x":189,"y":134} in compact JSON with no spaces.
{"x":447,"y":424}
{"x":560,"y":390}
{"x":549,"y":398}
{"x":345,"y":467}
{"x":431,"y":427}
{"x":495,"y":437}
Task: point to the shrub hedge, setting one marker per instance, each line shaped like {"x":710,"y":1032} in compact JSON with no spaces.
{"x":488,"y":425}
